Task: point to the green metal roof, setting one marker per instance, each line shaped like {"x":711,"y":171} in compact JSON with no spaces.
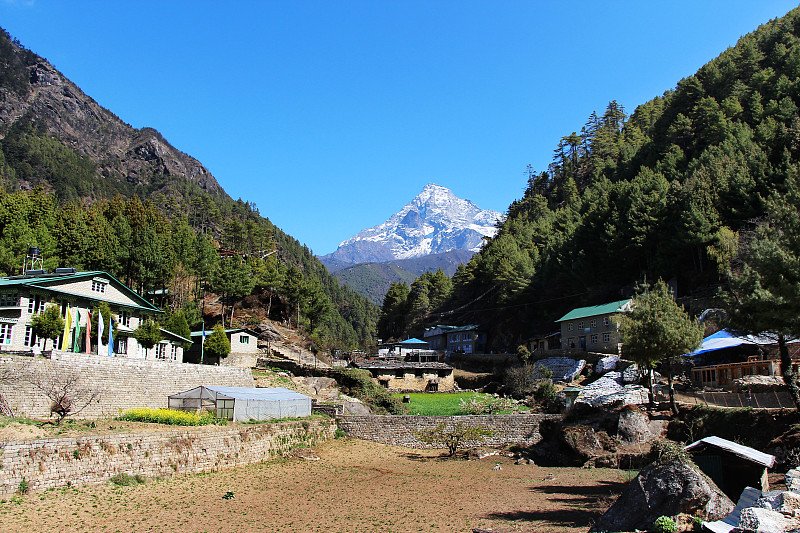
{"x":594,"y":310}
{"x":44,"y":282}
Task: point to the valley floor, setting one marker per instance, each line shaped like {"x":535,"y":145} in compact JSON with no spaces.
{"x":355,"y":486}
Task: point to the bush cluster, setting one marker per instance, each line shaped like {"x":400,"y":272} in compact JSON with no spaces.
{"x":485,"y":405}
{"x":359,"y":383}
{"x":169,"y":416}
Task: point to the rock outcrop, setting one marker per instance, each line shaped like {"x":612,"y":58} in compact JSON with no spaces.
{"x":664,"y":490}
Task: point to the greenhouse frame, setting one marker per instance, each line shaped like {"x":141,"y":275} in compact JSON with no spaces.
{"x":241,"y":404}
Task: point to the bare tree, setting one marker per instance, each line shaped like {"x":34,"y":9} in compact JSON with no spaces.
{"x":64,"y":388}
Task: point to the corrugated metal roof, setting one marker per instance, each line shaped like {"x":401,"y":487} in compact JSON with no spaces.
{"x":399,"y":365}
{"x":594,"y":310}
{"x":740,"y":450}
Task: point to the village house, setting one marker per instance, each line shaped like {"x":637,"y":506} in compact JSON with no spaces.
{"x":402,"y":376}
{"x":409,"y":349}
{"x":724,"y":357}
{"x":592,"y":329}
{"x":243,"y":341}
{"x":456,"y":339}
{"x":77,"y":294}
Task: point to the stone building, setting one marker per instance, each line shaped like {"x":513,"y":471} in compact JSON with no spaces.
{"x":592,"y":329}
{"x":409,"y":376}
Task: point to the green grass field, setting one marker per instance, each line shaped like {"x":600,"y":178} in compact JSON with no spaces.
{"x":438,"y":404}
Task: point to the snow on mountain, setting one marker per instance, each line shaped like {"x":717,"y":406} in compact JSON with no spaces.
{"x":436,"y":221}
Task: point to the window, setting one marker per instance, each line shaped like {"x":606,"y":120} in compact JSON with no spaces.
{"x":34,"y":304}
{"x":122,"y":345}
{"x":455,"y":337}
{"x":606,"y":337}
{"x":30,"y":337}
{"x":161,"y":352}
{"x":225,"y":409}
{"x":593,"y":323}
{"x":99,"y":285}
{"x":569,"y":326}
{"x":580,"y":325}
{"x":125,"y":318}
{"x":9,"y":300}
{"x":174,"y":352}
{"x":5,"y":333}
{"x":593,"y":339}
{"x":244,"y":339}
{"x":467,"y":336}
{"x":606,"y":321}
{"x":467,"y":348}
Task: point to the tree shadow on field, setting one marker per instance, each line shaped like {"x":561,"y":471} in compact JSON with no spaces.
{"x":582,"y":518}
{"x":411,"y":456}
{"x":580,"y":507}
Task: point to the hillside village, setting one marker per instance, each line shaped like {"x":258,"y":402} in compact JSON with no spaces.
{"x":620,"y":354}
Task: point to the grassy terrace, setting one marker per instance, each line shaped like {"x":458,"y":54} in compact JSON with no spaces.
{"x":446,"y":404}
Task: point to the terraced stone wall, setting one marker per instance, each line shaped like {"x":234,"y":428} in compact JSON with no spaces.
{"x":50,"y":463}
{"x":122,"y":383}
{"x":400,"y":430}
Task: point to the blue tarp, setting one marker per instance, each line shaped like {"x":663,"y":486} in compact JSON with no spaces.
{"x":725,"y":339}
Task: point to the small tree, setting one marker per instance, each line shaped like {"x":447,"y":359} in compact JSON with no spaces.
{"x":657,"y":329}
{"x":453,"y":437}
{"x":178,"y":325}
{"x":64,"y":388}
{"x":148,"y":334}
{"x":217,"y":344}
{"x":48,"y":324}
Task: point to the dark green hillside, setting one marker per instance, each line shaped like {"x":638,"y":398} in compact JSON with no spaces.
{"x":94,"y":193}
{"x":657,"y":194}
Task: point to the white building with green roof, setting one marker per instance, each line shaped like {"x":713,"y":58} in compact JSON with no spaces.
{"x":592,"y":329}
{"x":77,"y":295}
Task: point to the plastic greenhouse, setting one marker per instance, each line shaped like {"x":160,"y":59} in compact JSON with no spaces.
{"x":240,"y":404}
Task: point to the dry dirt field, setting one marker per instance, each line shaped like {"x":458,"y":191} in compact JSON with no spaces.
{"x":355,"y":486}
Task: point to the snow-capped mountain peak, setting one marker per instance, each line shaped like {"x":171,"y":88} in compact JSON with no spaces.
{"x":435,"y":221}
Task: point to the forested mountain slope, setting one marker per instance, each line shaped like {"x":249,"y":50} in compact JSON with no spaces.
{"x":93,"y":192}
{"x":661,"y":193}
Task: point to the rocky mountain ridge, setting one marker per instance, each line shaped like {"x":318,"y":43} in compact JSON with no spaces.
{"x":36,"y":93}
{"x":434,"y":222}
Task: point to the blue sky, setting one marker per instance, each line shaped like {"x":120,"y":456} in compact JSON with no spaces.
{"x":331,"y":115}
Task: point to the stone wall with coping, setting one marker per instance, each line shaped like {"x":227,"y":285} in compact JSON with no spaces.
{"x":400,"y":430}
{"x":122,"y":383}
{"x":49,"y":463}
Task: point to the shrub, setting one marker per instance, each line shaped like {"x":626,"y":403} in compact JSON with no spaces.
{"x":127,"y":480}
{"x":697,"y":524}
{"x":664,"y":524}
{"x":482,"y":405}
{"x":23,"y":487}
{"x":665,"y":451}
{"x":169,"y":416}
{"x":359,"y":383}
{"x":453,"y":438}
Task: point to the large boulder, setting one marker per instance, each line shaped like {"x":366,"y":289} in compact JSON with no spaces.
{"x":761,"y":520}
{"x":606,"y":364}
{"x":609,"y":390}
{"x":664,"y":490}
{"x":783,"y":501}
{"x":634,"y":427}
{"x":563,"y":368}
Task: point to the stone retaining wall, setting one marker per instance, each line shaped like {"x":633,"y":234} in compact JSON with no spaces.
{"x":123,"y":383}
{"x":399,"y":430}
{"x":60,"y":462}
